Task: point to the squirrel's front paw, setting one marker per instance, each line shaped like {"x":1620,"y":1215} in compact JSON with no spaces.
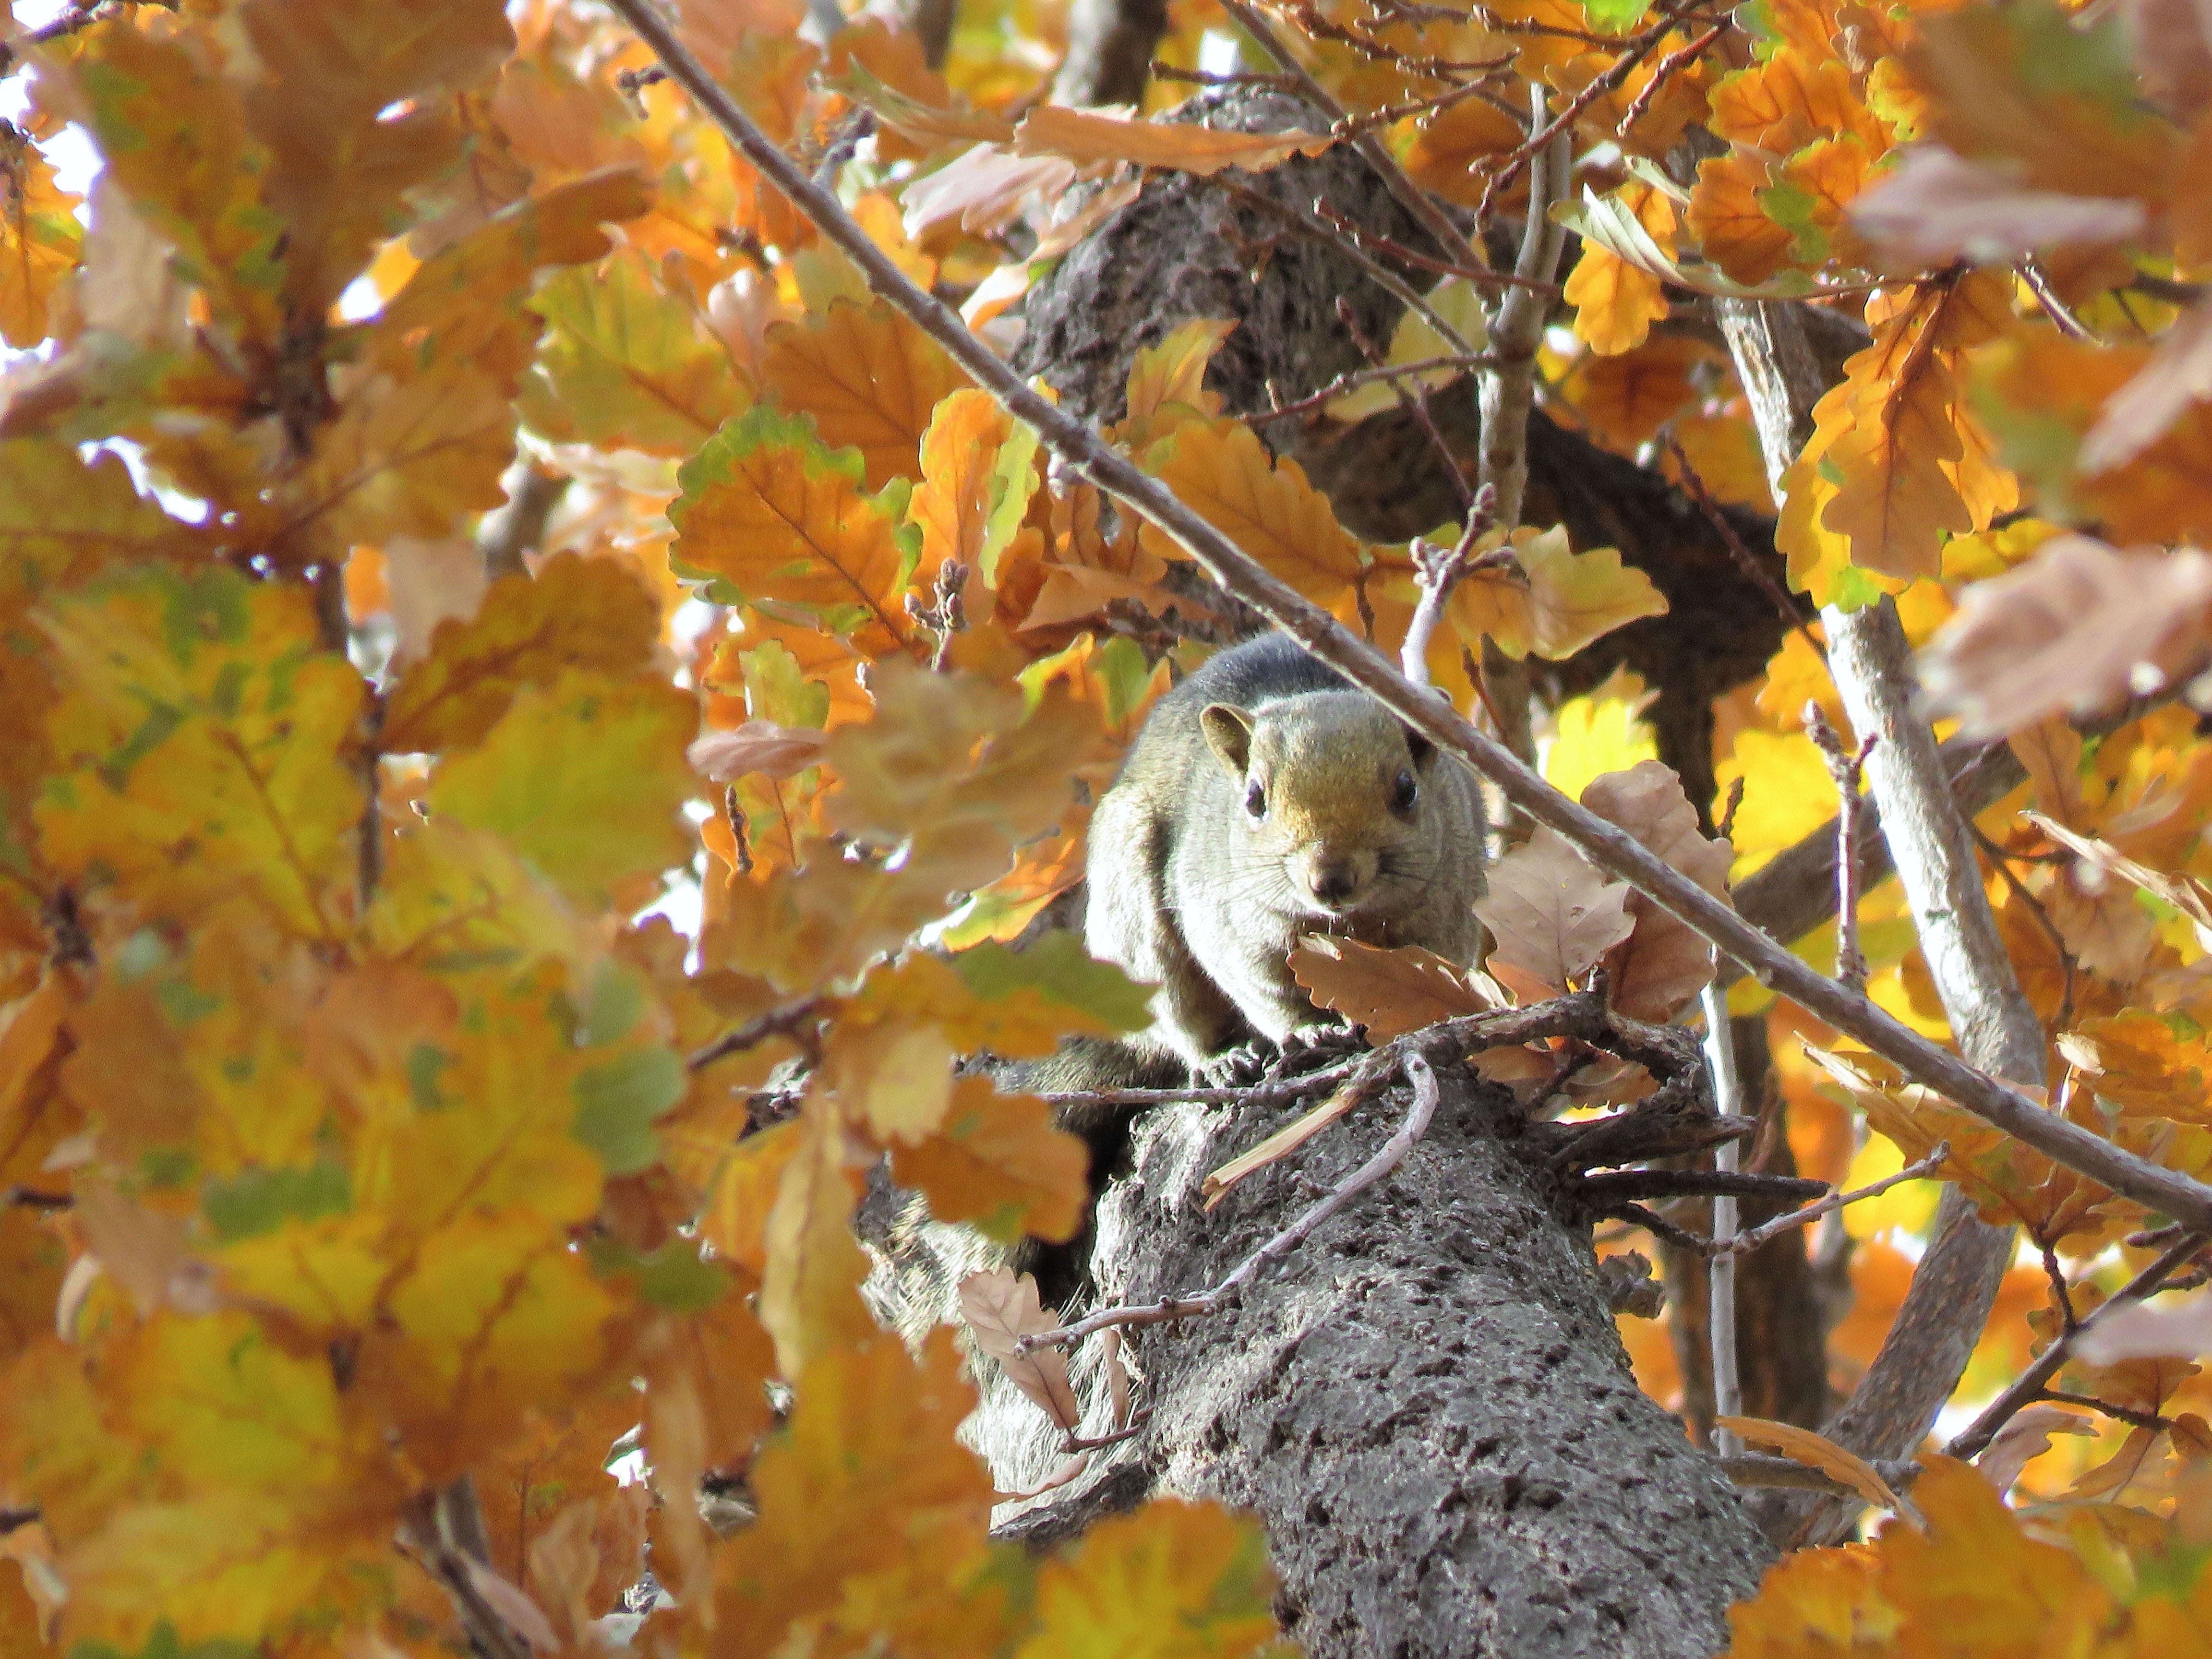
{"x":1330,"y":1039}
{"x":1239,"y":1068}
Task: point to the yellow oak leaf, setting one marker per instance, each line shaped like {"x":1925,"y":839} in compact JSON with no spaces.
{"x":978,"y":473}
{"x":998,"y":1161}
{"x":199,"y":747}
{"x":866,"y":1473}
{"x":1733,"y":229}
{"x":1107,"y":1595}
{"x":576,"y":613}
{"x":772,"y":510}
{"x":809,"y":1297}
{"x":958,"y":770}
{"x":1224,"y":473}
{"x":1173,"y":372}
{"x":1791,"y":101}
{"x":407,"y":455}
{"x":1569,"y":599}
{"x":868,"y":376}
{"x":1624,"y":399}
{"x":585,"y":777}
{"x":625,"y":364}
{"x":1616,"y":302}
{"x":40,"y":240}
{"x":1443,"y":156}
{"x":1895,"y":428}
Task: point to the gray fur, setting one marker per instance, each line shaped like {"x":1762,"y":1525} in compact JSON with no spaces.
{"x":1190,"y":890}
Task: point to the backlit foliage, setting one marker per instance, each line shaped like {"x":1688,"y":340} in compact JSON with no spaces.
{"x":368,"y":1127}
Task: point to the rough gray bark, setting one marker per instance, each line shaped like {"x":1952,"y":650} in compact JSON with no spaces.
{"x":1427,"y":1404}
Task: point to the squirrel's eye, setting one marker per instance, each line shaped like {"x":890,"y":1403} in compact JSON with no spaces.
{"x":1403,"y":792}
{"x":1255,"y":801}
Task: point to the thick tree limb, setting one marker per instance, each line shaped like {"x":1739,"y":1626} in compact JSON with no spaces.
{"x":1608,"y":846}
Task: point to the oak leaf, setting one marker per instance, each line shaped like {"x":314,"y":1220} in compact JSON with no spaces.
{"x":1001,"y":1310}
{"x":1617,"y":303}
{"x":771,"y":510}
{"x":1224,"y":473}
{"x":998,"y":1161}
{"x":978,"y":473}
{"x":576,"y":613}
{"x":2076,"y":629}
{"x":869,"y":377}
{"x":1552,"y":916}
{"x":1664,"y":963}
{"x":1194,"y":1565}
{"x":40,"y":240}
{"x":625,"y":364}
{"x":197,"y":746}
{"x":1390,"y":992}
{"x":1936,"y":207}
{"x":809,"y":1297}
{"x":585,"y":777}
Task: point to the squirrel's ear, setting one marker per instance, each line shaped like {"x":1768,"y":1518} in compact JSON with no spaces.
{"x":1422,"y":751}
{"x":1228,"y":734}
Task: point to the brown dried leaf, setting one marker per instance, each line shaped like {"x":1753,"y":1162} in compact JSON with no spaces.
{"x":1937,"y":206}
{"x":1390,"y":992}
{"x":1664,"y":963}
{"x":1117,"y":1377}
{"x":1001,"y":1309}
{"x":2184,"y":892}
{"x":1284,"y":1141}
{"x":2145,"y":1331}
{"x":2075,"y":628}
{"x":1551,"y":912}
{"x":2178,"y":374}
{"x":762,"y":746}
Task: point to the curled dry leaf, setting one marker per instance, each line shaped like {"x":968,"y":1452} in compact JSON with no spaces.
{"x":2077,"y":628}
{"x":2183,"y":892}
{"x":762,"y":747}
{"x":1817,"y":1452}
{"x":1002,"y":1309}
{"x":1937,"y":206}
{"x":2023,"y":1440}
{"x":1284,"y":1141}
{"x":1061,"y":1473}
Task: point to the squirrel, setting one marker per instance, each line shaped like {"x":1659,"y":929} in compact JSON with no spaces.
{"x":1265,"y":798}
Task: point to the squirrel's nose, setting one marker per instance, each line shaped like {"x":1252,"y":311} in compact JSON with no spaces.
{"x":1334,"y":880}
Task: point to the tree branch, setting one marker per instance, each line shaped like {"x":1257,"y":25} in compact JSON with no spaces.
{"x":1608,"y":846}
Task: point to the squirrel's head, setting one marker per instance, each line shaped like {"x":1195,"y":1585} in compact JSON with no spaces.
{"x":1334,"y":786}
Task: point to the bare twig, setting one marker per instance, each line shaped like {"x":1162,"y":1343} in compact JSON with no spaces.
{"x":2053,"y":307}
{"x":1438,"y":570}
{"x":1970,"y":1442}
{"x":1507,"y":168}
{"x":1608,"y":846}
{"x":1845,"y":767}
{"x":1410,"y":196}
{"x":1669,"y":66}
{"x":2127,"y":1414}
{"x":1744,"y":1243}
{"x":1208,"y":78}
{"x":1382,"y":277}
{"x":1413,"y":397}
{"x":777,"y":1022}
{"x":1509,"y":391}
{"x":1426,"y":1096}
{"x":1746,"y":560}
{"x":1352,"y":379}
{"x":1720,"y":1299}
